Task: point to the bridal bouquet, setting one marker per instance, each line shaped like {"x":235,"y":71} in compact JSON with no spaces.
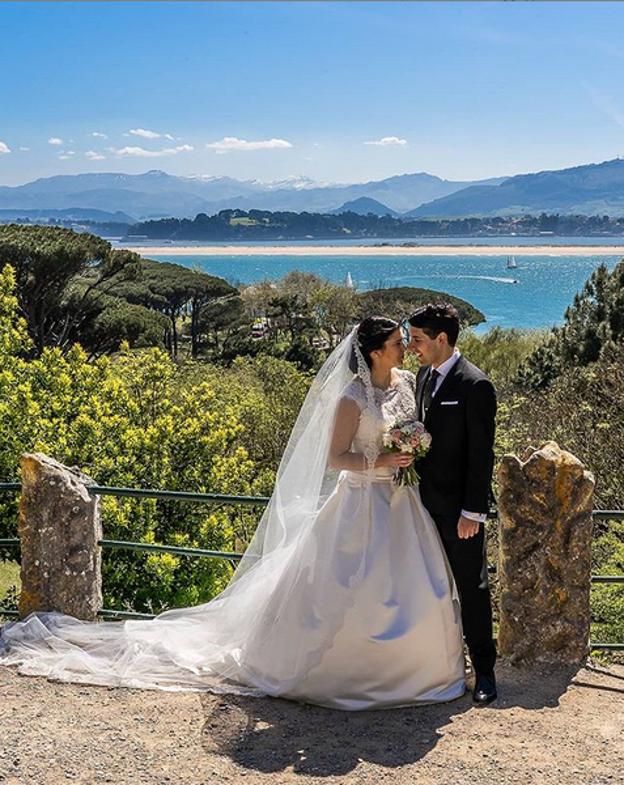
{"x":408,"y":436}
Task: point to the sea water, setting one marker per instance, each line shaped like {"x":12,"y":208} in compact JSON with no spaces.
{"x":533,"y":295}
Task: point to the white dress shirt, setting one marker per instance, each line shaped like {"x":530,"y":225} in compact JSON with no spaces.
{"x":443,"y":370}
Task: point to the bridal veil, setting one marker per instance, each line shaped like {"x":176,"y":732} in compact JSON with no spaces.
{"x":218,"y":645}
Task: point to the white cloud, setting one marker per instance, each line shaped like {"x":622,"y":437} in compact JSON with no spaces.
{"x":55,"y":140}
{"x":25,"y":149}
{"x":231,"y":143}
{"x":145,"y":133}
{"x":92,"y":155}
{"x":66,"y":156}
{"x":99,"y":135}
{"x":140,"y":152}
{"x":389,"y":141}
{"x":4,"y":148}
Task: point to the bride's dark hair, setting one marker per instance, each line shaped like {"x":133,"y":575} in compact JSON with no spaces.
{"x":371,"y":334}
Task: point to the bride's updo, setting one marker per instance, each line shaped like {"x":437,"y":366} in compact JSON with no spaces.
{"x":371,"y":334}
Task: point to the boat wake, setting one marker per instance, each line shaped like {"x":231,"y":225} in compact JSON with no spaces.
{"x":494,"y":278}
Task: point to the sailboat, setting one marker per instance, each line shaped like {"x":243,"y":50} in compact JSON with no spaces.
{"x":349,"y":281}
{"x":511,"y":263}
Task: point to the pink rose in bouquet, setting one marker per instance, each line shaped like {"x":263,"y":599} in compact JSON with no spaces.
{"x":407,"y":436}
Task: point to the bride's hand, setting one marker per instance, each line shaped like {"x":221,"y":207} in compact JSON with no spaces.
{"x":395,"y":460}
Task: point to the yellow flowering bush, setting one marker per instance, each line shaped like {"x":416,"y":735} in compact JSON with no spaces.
{"x":139,"y":420}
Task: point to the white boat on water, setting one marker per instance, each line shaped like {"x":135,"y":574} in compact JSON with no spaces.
{"x":511,"y":263}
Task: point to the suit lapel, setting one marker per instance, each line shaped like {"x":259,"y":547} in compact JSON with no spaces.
{"x":421,"y":379}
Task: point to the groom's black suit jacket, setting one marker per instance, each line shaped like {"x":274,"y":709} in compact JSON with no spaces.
{"x":456,"y":473}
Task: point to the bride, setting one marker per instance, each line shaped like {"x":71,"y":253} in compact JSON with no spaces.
{"x":344,"y":597}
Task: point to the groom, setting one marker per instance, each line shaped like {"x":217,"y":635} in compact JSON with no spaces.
{"x":457,"y":404}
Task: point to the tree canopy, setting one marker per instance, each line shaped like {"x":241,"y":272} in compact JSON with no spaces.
{"x":234,"y":224}
{"x":593,"y":327}
{"x":75,"y":288}
{"x":399,"y":302}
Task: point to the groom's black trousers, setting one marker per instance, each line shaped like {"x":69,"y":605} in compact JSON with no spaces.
{"x":469,"y":565}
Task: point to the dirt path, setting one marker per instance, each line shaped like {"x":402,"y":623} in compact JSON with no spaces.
{"x":547,"y":728}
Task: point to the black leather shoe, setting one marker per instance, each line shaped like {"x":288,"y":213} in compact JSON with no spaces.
{"x":485,"y":689}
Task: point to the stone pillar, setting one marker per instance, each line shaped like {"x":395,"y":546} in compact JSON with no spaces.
{"x":545,"y":510}
{"x":59,"y":528}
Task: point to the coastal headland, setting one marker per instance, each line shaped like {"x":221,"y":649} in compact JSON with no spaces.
{"x":372,"y":250}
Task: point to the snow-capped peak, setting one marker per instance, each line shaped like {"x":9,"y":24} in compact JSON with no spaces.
{"x":296,"y":182}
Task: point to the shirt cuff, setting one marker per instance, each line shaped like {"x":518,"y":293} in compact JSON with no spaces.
{"x":480,"y":517}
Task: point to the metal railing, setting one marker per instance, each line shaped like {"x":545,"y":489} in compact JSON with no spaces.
{"x":215,"y":498}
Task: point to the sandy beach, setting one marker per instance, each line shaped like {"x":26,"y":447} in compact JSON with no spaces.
{"x":368,"y":250}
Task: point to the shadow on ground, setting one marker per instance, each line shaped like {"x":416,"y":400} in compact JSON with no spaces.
{"x":537,"y":687}
{"x":271,"y":735}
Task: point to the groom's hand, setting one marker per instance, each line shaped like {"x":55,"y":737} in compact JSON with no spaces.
{"x":467,"y":528}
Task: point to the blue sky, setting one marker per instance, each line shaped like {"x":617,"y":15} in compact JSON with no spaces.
{"x":336,"y":91}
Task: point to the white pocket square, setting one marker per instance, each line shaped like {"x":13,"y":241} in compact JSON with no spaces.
{"x":449,"y":403}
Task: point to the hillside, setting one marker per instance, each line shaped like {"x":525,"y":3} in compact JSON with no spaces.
{"x":586,"y":190}
{"x":365,"y":206}
{"x":68,"y":214}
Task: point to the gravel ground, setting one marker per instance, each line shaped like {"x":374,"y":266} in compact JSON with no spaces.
{"x":547,"y":728}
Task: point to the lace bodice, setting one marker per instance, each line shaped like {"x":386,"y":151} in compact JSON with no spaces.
{"x":397,"y":402}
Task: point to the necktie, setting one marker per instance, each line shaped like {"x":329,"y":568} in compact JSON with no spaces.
{"x":430,"y":386}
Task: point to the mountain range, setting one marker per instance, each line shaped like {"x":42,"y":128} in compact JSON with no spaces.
{"x":589,"y":189}
{"x":592,"y":189}
{"x":156,"y":194}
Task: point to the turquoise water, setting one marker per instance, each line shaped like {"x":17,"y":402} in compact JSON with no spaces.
{"x":546,"y":284}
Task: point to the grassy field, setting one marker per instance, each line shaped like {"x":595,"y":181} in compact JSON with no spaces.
{"x":9,"y":576}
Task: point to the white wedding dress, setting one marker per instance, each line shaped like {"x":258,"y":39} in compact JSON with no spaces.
{"x":399,"y":641}
{"x":350,"y":605}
